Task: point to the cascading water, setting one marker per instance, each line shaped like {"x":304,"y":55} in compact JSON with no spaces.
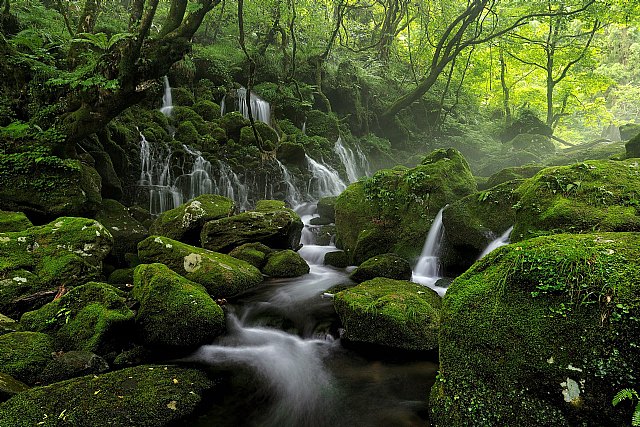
{"x":348,"y":159}
{"x":155,"y":175}
{"x":364,"y":162}
{"x":293,"y":196}
{"x":495,"y":244}
{"x":223,"y":106}
{"x":325,"y":180}
{"x":167,"y":101}
{"x":427,"y":271}
{"x":260,"y":109}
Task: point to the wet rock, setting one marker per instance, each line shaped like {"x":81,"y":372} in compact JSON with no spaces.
{"x":285,"y":263}
{"x":9,"y":387}
{"x":390,"y":266}
{"x":73,"y":364}
{"x":127,"y":232}
{"x":253,"y":253}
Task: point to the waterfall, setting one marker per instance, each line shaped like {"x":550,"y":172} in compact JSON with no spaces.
{"x":348,"y":159}
{"x":427,"y":271}
{"x":229,"y":185}
{"x":325,"y":180}
{"x":260,"y":109}
{"x":155,"y":175}
{"x":293,"y":195}
{"x":223,"y":105}
{"x":304,"y":128}
{"x":365,"y":166}
{"x":167,"y":101}
{"x":495,"y":244}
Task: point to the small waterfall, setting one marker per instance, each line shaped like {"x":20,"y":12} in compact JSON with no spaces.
{"x":325,"y":180}
{"x":304,"y":128}
{"x":365,"y":166}
{"x":427,"y":271}
{"x":167,"y":101}
{"x":229,"y":185}
{"x":155,"y":175}
{"x":293,"y":196}
{"x":500,"y":241}
{"x":348,"y":159}
{"x":223,"y":105}
{"x":260,"y":109}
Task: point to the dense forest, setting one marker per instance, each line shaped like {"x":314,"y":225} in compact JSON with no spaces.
{"x":319,"y":213}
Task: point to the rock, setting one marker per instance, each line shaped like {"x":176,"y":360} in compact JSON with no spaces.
{"x":8,"y":325}
{"x":142,"y":215}
{"x":320,"y":221}
{"x":393,"y":210}
{"x":127,"y":232}
{"x":324,"y":235}
{"x":322,"y":124}
{"x":232,"y":123}
{"x":543,"y":332}
{"x":48,"y":189}
{"x":268,"y":135}
{"x":285,"y":263}
{"x":94,"y":317}
{"x":13,"y":221}
{"x":24,"y":355}
{"x":632,"y":147}
{"x":391,"y":313}
{"x":222,"y":275}
{"x":338,"y":259}
{"x":144,"y":396}
{"x":270,"y":223}
{"x":253,"y":253}
{"x":9,"y":387}
{"x":327,"y":208}
{"x":292,"y":153}
{"x":121,"y":276}
{"x":137,"y":355}
{"x":208,"y":110}
{"x":73,"y":364}
{"x":629,"y":130}
{"x":527,"y":123}
{"x":36,"y":262}
{"x":185,"y":222}
{"x":174,"y":313}
{"x":512,"y":173}
{"x":390,"y":266}
{"x":593,"y":195}
{"x":540,"y":146}
{"x":111,"y":185}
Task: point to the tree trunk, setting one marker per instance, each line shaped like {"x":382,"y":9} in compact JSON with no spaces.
{"x":506,"y":93}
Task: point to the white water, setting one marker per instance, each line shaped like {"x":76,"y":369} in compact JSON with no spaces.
{"x":155,"y":174}
{"x":495,"y":244}
{"x":325,"y":181}
{"x":293,"y":196}
{"x":427,"y":271}
{"x":167,"y":101}
{"x":348,"y":159}
{"x":260,"y":109}
{"x":223,"y":106}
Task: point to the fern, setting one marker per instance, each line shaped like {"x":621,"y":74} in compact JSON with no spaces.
{"x":630,"y":394}
{"x":101,"y":40}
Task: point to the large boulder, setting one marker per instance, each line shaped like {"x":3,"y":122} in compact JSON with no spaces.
{"x":512,"y":173}
{"x":327,"y":208}
{"x":391,"y":313}
{"x":390,"y":266}
{"x":174,"y":312}
{"x":34,"y":263}
{"x":144,"y":396}
{"x":46,"y":187}
{"x":526,"y":123}
{"x":222,"y":275}
{"x":73,"y":364}
{"x":599,"y":195}
{"x":542,"y":332}
{"x":632,"y":147}
{"x":253,"y":253}
{"x":185,"y":222}
{"x":393,"y":210}
{"x":9,"y":387}
{"x":285,"y":263}
{"x":13,"y":221}
{"x":127,"y":232}
{"x":271,"y":223}
{"x":93,"y":317}
{"x":24,"y":355}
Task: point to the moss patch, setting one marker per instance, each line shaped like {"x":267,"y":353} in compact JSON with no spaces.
{"x":253,"y":253}
{"x":285,"y":263}
{"x":24,"y":355}
{"x":390,"y":266}
{"x":13,"y":221}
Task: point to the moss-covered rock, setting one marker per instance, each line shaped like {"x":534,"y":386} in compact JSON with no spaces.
{"x":541,"y":332}
{"x":393,"y":210}
{"x":391,"y":313}
{"x":390,"y":266}
{"x":208,"y":110}
{"x":72,"y":364}
{"x":66,"y":252}
{"x":526,"y":123}
{"x":270,"y":223}
{"x":144,"y":396}
{"x":48,"y":188}
{"x":185,"y":222}
{"x":222,"y":275}
{"x":24,"y":355}
{"x":8,"y":325}
{"x":600,"y":195}
{"x":174,"y":312}
{"x":267,"y":134}
{"x":253,"y":253}
{"x":13,"y":221}
{"x":327,"y":208}
{"x":10,"y":386}
{"x":182,"y":96}
{"x":111,"y":185}
{"x":538,"y":145}
{"x":338,"y":259}
{"x":93,"y":317}
{"x":632,"y":147}
{"x":232,"y":123}
{"x":127,"y":232}
{"x":285,"y":263}
{"x":509,"y":174}
{"x":292,"y":153}
{"x":121,"y":276}
{"x":322,"y":124}
{"x":629,"y":130}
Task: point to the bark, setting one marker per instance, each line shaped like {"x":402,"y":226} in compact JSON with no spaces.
{"x":506,"y":92}
{"x":175,"y":16}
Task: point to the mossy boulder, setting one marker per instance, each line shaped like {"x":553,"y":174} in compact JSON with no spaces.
{"x":538,"y":145}
{"x":50,"y":188}
{"x":8,"y":325}
{"x":253,"y":253}
{"x":322,"y":124}
{"x":222,"y":275}
{"x":527,"y":123}
{"x":72,"y":364}
{"x":24,"y":355}
{"x":10,"y":386}
{"x":632,"y":147}
{"x":13,"y":221}
{"x":600,"y":195}
{"x":232,"y":123}
{"x":270,"y":223}
{"x":143,"y":396}
{"x":208,"y":110}
{"x":541,"y":332}
{"x":174,"y":312}
{"x":121,"y":276}
{"x":185,"y":222}
{"x":509,"y":174}
{"x":338,"y":259}
{"x":474,"y":221}
{"x":327,"y":208}
{"x":391,"y":313}
{"x":93,"y":317}
{"x":292,"y":153}
{"x":66,"y":252}
{"x":390,"y":266}
{"x":127,"y":232}
{"x":267,"y":134}
{"x":285,"y":263}
{"x":393,"y":210}
{"x":111,"y":185}
{"x":182,"y":96}
{"x":629,"y":130}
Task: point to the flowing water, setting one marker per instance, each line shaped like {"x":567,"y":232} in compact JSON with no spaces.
{"x":167,"y":101}
{"x":260,"y":109}
{"x":356,"y":165}
{"x":495,"y":244}
{"x":427,"y":271}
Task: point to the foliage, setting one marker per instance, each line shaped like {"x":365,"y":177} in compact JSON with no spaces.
{"x":629,"y":394}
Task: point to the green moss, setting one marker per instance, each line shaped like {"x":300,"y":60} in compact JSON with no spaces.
{"x":268,"y":135}
{"x":121,"y":276}
{"x":327,"y":208}
{"x":598,"y":195}
{"x":24,"y":355}
{"x":322,"y":124}
{"x":253,"y":253}
{"x":208,"y":110}
{"x":9,"y":387}
{"x":291,"y":153}
{"x":391,"y":313}
{"x":509,"y":174}
{"x":186,"y":133}
{"x":8,"y":325}
{"x":94,"y":317}
{"x":338,"y":259}
{"x":144,"y":396}
{"x":174,"y":312}
{"x":73,"y":364}
{"x":232,"y":123}
{"x":182,"y":96}
{"x":13,"y":221}
{"x":390,"y":266}
{"x":180,"y":115}
{"x":532,"y":315}
{"x":285,"y":263}
{"x":127,"y":232}
{"x":222,"y":275}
